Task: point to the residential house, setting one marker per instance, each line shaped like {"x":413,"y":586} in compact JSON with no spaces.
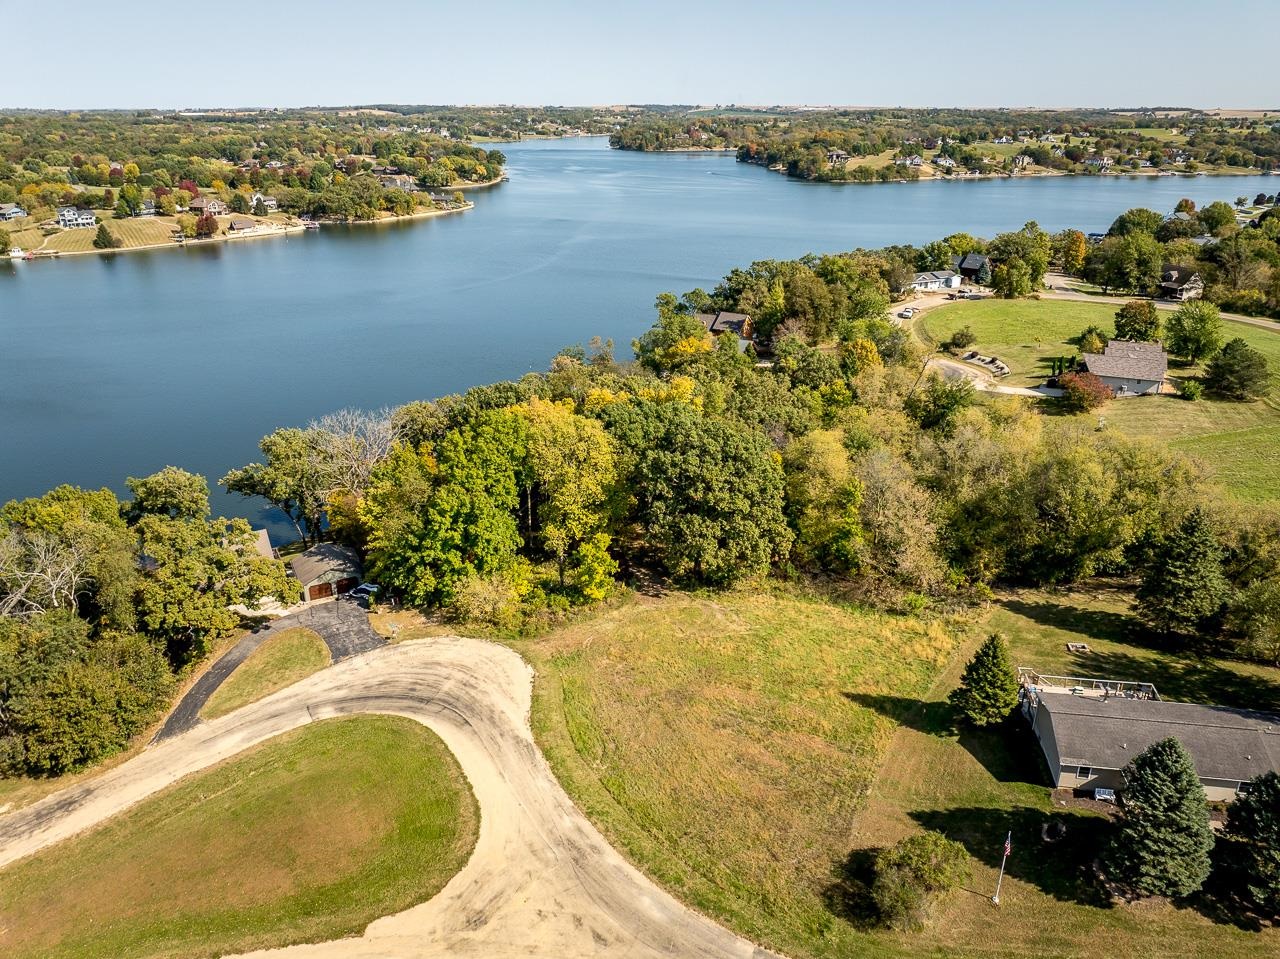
{"x":11,"y":211}
{"x":398,"y":181}
{"x":207,"y":204}
{"x":914,"y":160}
{"x":70,"y":217}
{"x":1090,"y":729}
{"x":1128,"y":368}
{"x":262,"y":545}
{"x":723,"y":322}
{"x":1181,"y":283}
{"x":326,"y":570}
{"x":945,"y":162}
{"x":971,"y":265}
{"x":147,"y":208}
{"x":275,"y":165}
{"x":837,"y":157}
{"x":1099,"y":162}
{"x":936,"y":280}
{"x":269,"y":202}
{"x":241,"y":223}
{"x":1022,"y":161}
{"x":1003,"y":139}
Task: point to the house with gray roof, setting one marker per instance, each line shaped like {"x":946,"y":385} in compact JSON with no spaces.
{"x":1090,"y":730}
{"x":326,"y":570}
{"x":11,"y":211}
{"x":970,"y":266}
{"x":936,"y":280}
{"x":1129,"y":368}
{"x":739,"y":324}
{"x":1181,"y":283}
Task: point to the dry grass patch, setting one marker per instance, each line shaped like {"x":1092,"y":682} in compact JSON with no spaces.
{"x":279,"y":662}
{"x":726,"y":743}
{"x":306,"y":838}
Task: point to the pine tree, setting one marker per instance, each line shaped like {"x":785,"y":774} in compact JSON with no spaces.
{"x":1183,"y":586}
{"x":104,"y":239}
{"x":988,"y":690}
{"x":1161,"y":846}
{"x":1254,"y":821}
{"x":984,"y":274}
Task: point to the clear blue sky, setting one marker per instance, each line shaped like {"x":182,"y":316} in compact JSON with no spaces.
{"x":135,"y":53}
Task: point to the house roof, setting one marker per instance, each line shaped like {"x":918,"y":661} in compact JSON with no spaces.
{"x":1230,"y":744}
{"x":1176,"y":277}
{"x":242,"y":223}
{"x":970,"y":261}
{"x":939,"y":275}
{"x":725,"y":322}
{"x":262,"y":544}
{"x":6,"y":207}
{"x":1128,"y":360}
{"x":323,"y":559}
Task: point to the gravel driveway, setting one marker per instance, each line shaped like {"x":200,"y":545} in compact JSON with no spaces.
{"x":541,"y":882}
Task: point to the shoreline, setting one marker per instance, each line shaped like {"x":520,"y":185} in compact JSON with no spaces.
{"x":393,"y":218}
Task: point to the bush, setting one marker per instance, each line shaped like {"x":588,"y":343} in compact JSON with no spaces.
{"x":1082,"y":392}
{"x":1191,"y":389}
{"x":494,"y":600}
{"x":1238,"y":372}
{"x":912,"y":873}
{"x":962,"y":339}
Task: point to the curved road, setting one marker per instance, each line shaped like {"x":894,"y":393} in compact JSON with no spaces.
{"x":542,"y":882}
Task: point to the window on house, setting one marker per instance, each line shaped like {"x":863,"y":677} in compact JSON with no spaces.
{"x":1084,"y":772}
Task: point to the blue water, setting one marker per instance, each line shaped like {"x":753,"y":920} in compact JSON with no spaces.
{"x":117,"y":366}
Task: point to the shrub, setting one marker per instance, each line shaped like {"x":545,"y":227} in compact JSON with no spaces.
{"x":912,"y":873}
{"x":962,"y":339}
{"x":1238,"y":372}
{"x":1092,"y":340}
{"x":1191,"y":389}
{"x":1082,"y":392}
{"x":494,"y":600}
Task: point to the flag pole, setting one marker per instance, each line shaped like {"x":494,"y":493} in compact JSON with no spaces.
{"x":1008,"y":847}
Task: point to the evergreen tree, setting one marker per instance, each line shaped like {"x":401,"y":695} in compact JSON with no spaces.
{"x":1238,"y":372}
{"x":1161,"y":846}
{"x":988,"y":690}
{"x":1253,"y":821}
{"x":1183,"y":586}
{"x":984,"y":274}
{"x":105,"y":239}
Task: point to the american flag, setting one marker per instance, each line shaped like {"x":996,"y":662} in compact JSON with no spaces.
{"x":1008,"y":845}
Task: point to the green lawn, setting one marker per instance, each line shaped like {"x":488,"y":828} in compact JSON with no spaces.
{"x":306,"y":838}
{"x":1239,"y":442}
{"x":752,"y":751}
{"x":279,"y":662}
{"x":727,"y":742}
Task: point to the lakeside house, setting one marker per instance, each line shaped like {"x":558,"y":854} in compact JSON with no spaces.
{"x":971,"y":265}
{"x":241,"y":223}
{"x":11,"y":211}
{"x":1099,"y":162}
{"x":1129,"y":368}
{"x":837,"y":157}
{"x":70,"y":217}
{"x":398,"y":181}
{"x":269,"y":203}
{"x":326,"y":570}
{"x":1090,"y":729}
{"x":739,"y":324}
{"x":207,"y":204}
{"x":945,"y":162}
{"x":1022,"y":161}
{"x":914,"y":160}
{"x":936,"y":280}
{"x":147,"y":208}
{"x":1181,"y":283}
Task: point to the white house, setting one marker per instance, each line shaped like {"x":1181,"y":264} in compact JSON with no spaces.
{"x":936,"y":280}
{"x":1129,"y":369}
{"x":70,"y":218}
{"x":270,"y":203}
{"x":11,"y":211}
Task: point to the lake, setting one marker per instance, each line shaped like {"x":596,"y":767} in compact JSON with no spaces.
{"x":117,"y":366}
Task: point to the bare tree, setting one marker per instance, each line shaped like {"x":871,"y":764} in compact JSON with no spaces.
{"x":349,"y":444}
{"x":39,"y":572}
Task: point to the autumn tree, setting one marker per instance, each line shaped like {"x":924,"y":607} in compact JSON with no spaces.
{"x":1082,"y":392}
{"x":1138,"y":320}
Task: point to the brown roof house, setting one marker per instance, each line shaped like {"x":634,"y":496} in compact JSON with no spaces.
{"x":1091,"y":729}
{"x":722,"y":322}
{"x":1181,"y":283}
{"x":1129,"y":369}
{"x":326,"y":570}
{"x":207,"y":204}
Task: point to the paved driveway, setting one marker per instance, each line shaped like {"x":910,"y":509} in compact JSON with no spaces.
{"x":342,"y":624}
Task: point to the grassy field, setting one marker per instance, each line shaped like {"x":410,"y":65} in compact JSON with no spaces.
{"x":726,"y":743}
{"x":751,"y":752}
{"x":279,"y":662}
{"x":1240,"y":442}
{"x":306,"y":838}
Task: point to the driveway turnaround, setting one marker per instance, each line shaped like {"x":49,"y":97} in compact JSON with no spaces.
{"x":542,"y":882}
{"x":343,"y":625}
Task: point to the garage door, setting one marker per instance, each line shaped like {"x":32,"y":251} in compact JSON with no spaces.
{"x":348,"y":584}
{"x":320,"y":591}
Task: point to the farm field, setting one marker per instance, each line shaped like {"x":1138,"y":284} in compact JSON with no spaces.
{"x":302,"y":839}
{"x":1240,"y":442}
{"x":279,"y":662}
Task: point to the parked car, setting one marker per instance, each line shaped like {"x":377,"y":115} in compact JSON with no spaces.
{"x":365,"y":591}
{"x":908,"y":313}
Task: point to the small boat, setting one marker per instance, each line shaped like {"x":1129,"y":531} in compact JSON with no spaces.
{"x":310,"y":225}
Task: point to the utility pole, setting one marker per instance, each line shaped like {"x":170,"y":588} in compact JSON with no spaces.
{"x":1008,"y":848}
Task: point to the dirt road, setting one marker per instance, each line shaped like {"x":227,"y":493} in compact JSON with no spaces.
{"x":541,"y":882}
